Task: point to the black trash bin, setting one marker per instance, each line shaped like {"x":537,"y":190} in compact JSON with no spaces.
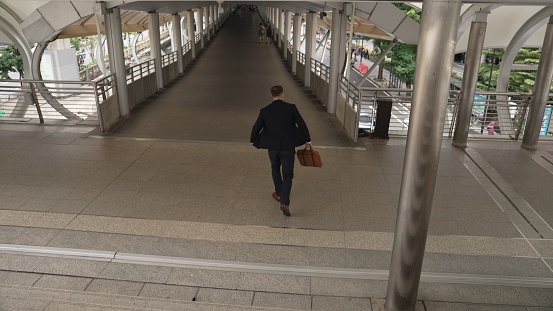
{"x":383,"y":116}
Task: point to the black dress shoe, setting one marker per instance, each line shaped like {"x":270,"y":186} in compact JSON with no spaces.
{"x":285,"y":209}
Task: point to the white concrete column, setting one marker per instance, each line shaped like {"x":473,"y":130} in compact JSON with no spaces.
{"x":201,"y":27}
{"x":214,"y":19}
{"x":191,"y":34}
{"x":334,"y":60}
{"x":295,"y":41}
{"x":278,"y":28}
{"x":343,"y":39}
{"x":287,"y":16}
{"x":310,"y":28}
{"x":109,"y":41}
{"x":177,"y":44}
{"x":119,"y":61}
{"x":208,"y":21}
{"x":155,"y":47}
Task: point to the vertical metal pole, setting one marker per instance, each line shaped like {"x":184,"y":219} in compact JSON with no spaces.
{"x":334,"y":60}
{"x":470,"y":77}
{"x":295,"y":41}
{"x":155,"y":47}
{"x":309,"y":46}
{"x":201,"y":27}
{"x":178,"y":43}
{"x":119,"y":61}
{"x":438,"y":31}
{"x":541,"y":92}
{"x":208,"y":21}
{"x":191,"y":33}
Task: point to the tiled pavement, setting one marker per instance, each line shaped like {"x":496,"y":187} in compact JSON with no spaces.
{"x":200,"y":194}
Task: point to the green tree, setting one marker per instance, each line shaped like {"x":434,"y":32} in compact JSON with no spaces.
{"x":519,"y":81}
{"x":10,"y":61}
{"x":403,"y":56}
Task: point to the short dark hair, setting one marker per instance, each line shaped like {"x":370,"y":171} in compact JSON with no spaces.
{"x":276,"y":90}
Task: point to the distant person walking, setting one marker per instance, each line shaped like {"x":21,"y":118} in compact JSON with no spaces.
{"x":491,"y":128}
{"x":261,"y":33}
{"x":280,"y":128}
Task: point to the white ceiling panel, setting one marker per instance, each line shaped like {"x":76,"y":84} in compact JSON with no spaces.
{"x":387,"y":16}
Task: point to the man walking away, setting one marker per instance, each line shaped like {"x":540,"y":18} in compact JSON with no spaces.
{"x":280,"y":128}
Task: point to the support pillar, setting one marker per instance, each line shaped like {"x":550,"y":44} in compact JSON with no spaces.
{"x":276,"y":29}
{"x":201,"y":27}
{"x":470,"y":77}
{"x":295,"y":41}
{"x":343,"y":39}
{"x":119,"y":61}
{"x":287,"y":17}
{"x":155,"y":47}
{"x":177,"y":44}
{"x":109,"y":40}
{"x":191,"y":34}
{"x":334,"y":60}
{"x":541,"y":92}
{"x":422,"y":154}
{"x":208,"y":21}
{"x":310,"y":42}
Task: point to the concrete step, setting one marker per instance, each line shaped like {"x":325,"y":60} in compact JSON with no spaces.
{"x":48,"y":299}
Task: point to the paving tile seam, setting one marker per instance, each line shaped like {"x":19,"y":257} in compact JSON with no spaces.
{"x":262,"y":268}
{"x":488,"y":170}
{"x":77,"y":297}
{"x":365,"y":240}
{"x":210,"y":142}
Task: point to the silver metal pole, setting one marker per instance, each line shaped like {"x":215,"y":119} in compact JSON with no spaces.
{"x":201,"y":27}
{"x":470,"y":77}
{"x":378,"y":61}
{"x":155,"y":47}
{"x":296,"y":41}
{"x":178,"y":43}
{"x":191,"y":33}
{"x":334,"y":60}
{"x":119,"y":61}
{"x":541,"y":92}
{"x":438,"y":30}
{"x":287,"y":16}
{"x":309,"y":46}
{"x":208,"y":21}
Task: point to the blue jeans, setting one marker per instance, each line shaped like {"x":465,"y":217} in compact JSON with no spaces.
{"x":282,"y":179}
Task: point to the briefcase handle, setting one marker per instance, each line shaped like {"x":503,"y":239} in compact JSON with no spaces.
{"x":310,"y":149}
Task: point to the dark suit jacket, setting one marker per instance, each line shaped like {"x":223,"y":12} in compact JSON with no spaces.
{"x":279,"y":126}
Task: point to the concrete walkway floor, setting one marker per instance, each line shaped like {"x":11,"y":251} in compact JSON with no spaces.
{"x":170,"y":215}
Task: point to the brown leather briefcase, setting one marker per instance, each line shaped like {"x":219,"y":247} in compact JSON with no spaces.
{"x":309,"y":157}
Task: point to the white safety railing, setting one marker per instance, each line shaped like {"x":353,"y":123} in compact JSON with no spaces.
{"x":43,"y":101}
{"x":301,"y":57}
{"x":320,"y":70}
{"x":490,"y":116}
{"x":169,"y":59}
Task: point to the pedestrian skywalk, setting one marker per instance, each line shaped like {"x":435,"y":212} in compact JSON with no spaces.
{"x":173,"y":210}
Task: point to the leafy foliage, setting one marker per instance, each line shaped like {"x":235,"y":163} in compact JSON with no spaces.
{"x":10,"y":61}
{"x":520,"y":81}
{"x":403,"y":56}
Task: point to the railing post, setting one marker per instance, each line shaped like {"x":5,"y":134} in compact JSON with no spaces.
{"x":35,"y":99}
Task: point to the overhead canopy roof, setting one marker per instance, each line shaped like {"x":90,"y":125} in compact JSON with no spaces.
{"x":44,"y":19}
